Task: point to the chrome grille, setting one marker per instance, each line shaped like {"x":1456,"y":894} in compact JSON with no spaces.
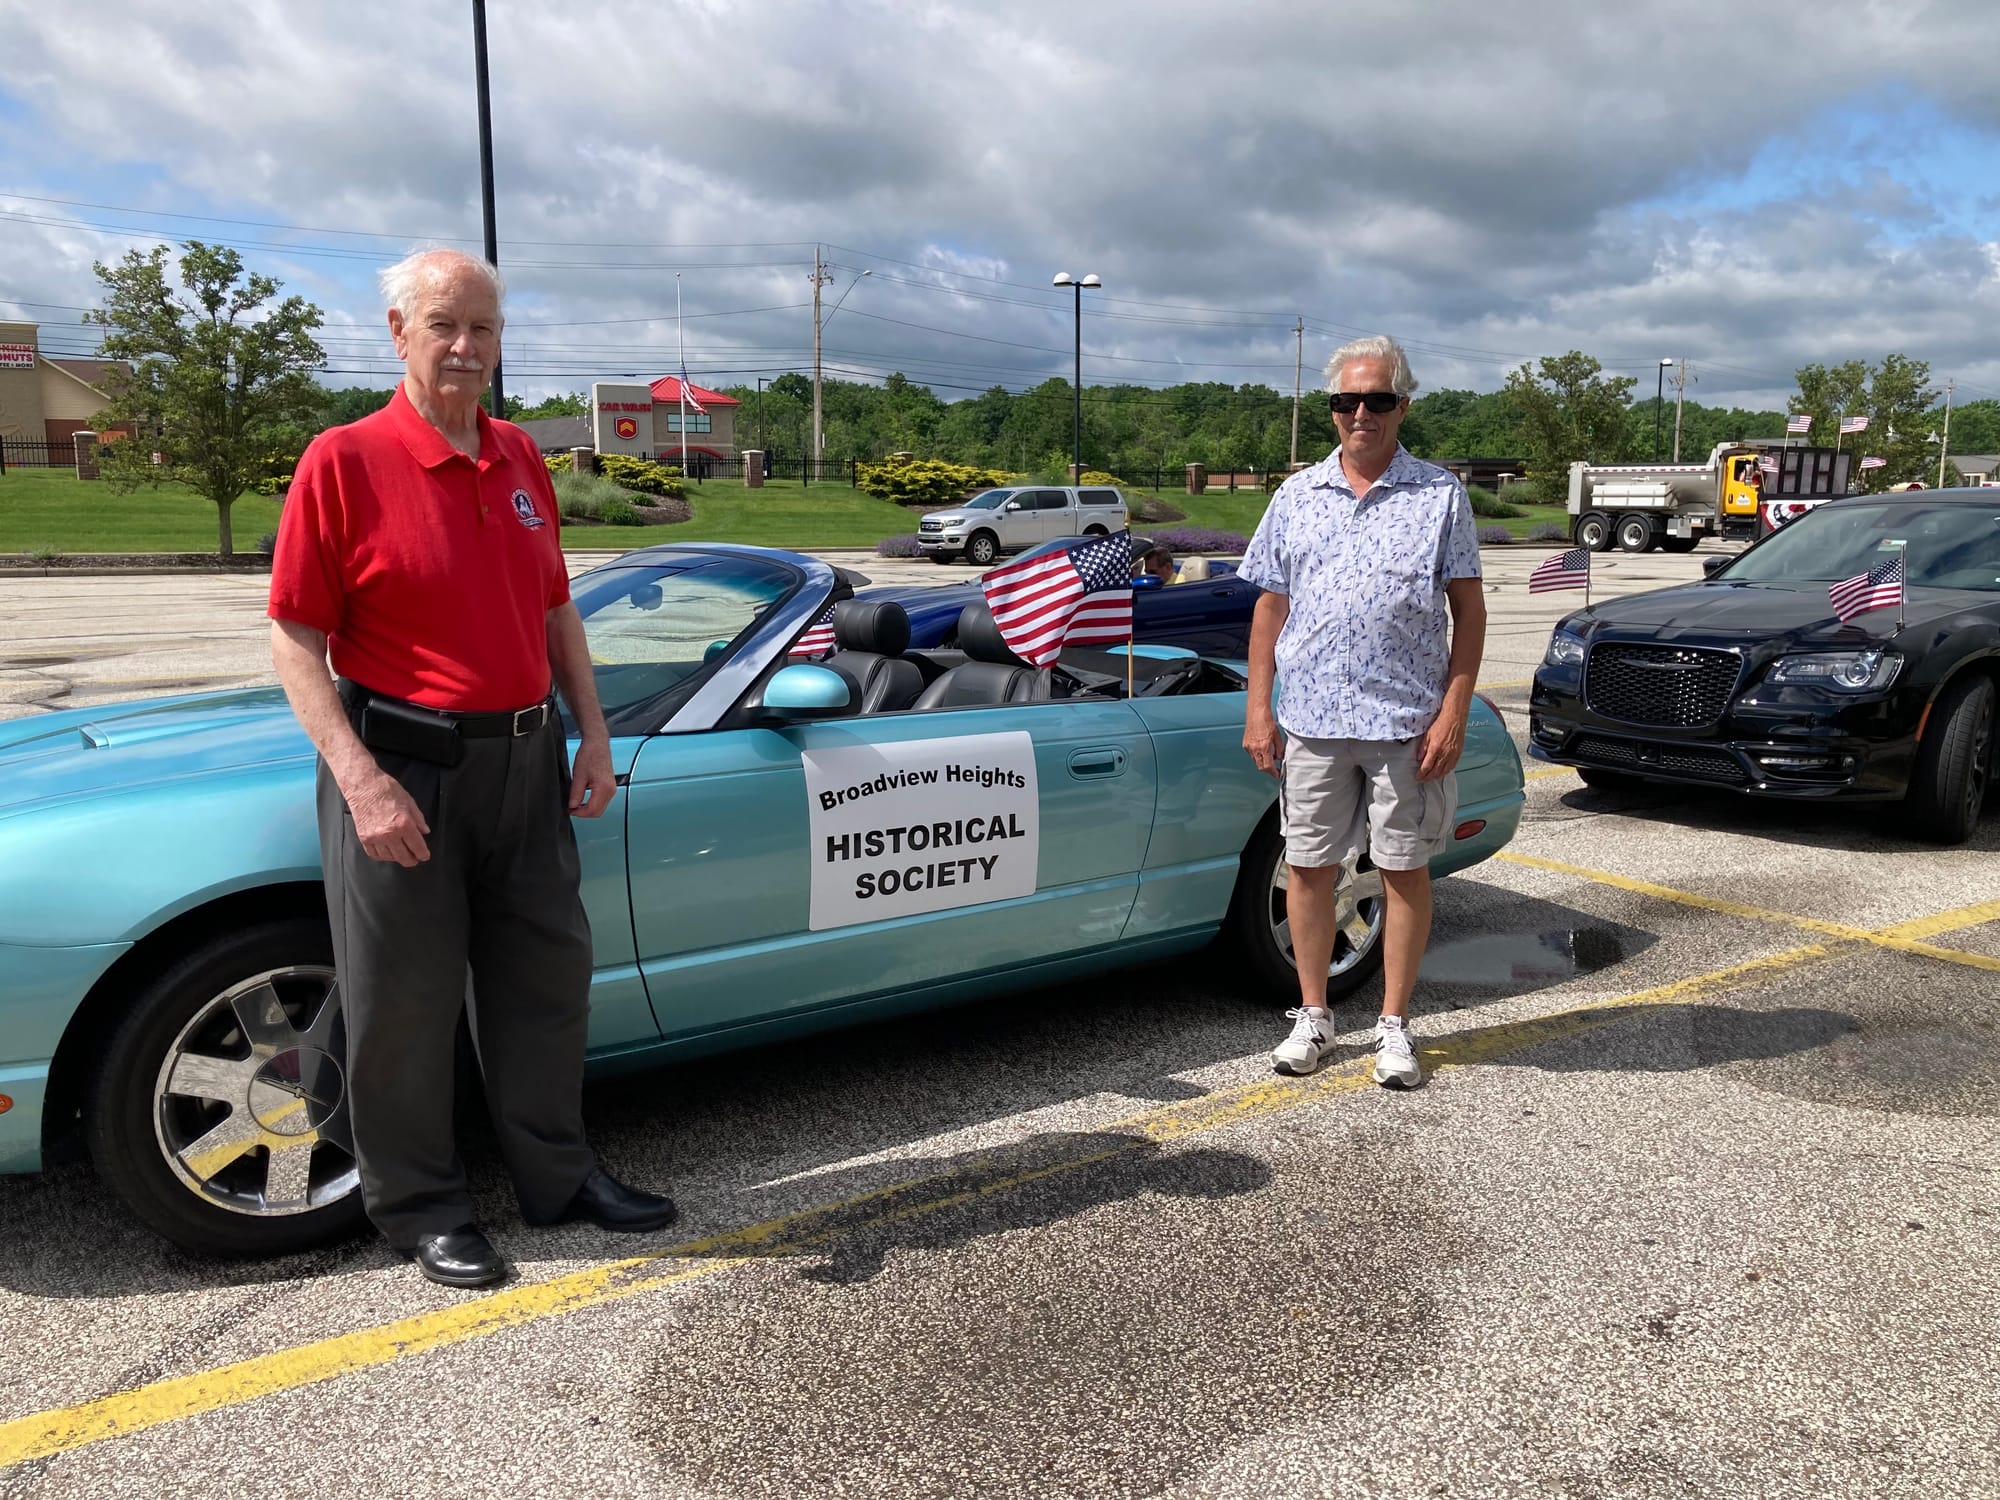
{"x":1668,"y":685}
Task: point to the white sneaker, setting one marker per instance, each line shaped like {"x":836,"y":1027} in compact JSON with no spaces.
{"x":1395,"y":1062}
{"x":1311,"y":1040}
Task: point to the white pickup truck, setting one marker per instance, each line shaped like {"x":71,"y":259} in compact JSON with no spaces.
{"x":1018,"y":517}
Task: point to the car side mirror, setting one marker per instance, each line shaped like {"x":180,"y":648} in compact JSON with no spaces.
{"x":803,"y":691}
{"x":1709,"y":565}
{"x":1013,"y":505}
{"x":1146,"y":581}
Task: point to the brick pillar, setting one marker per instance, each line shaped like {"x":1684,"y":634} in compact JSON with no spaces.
{"x":583,"y":460}
{"x":1197,"y":479}
{"x":753,"y":468}
{"x":86,"y":454}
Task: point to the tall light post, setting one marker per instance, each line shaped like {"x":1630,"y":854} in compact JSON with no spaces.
{"x":486,"y":174}
{"x":1659,"y":404}
{"x":1063,"y":278}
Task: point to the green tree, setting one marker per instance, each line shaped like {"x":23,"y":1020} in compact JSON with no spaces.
{"x":568,"y":404}
{"x":350,"y":404}
{"x":1827,"y":395}
{"x":1975,"y":427}
{"x":1568,"y":409}
{"x":1895,"y":396}
{"x":221,"y":384}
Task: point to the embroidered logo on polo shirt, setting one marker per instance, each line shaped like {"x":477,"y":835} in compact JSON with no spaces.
{"x":524,"y":507}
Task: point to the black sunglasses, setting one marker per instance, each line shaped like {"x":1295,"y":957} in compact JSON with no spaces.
{"x":1347,"y":402}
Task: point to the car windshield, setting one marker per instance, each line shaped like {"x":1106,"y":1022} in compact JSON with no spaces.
{"x":1946,"y":545}
{"x":990,"y":500}
{"x":656,"y":629}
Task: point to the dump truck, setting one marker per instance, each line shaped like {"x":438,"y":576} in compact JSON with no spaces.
{"x":1640,"y":507}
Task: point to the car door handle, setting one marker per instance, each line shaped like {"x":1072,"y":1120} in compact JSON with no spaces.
{"x":1220,"y":593}
{"x":1108,"y":761}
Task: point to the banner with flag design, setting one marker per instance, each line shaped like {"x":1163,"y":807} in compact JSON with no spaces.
{"x":1079,"y":596}
{"x":1878,"y":588}
{"x":1561,"y":570}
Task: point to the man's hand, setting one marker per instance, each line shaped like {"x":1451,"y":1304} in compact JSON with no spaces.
{"x":591,"y":783}
{"x":1443,"y":743}
{"x":1264,"y":740}
{"x":388,"y":822}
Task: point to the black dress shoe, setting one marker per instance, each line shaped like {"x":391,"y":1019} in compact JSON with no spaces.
{"x":462,"y":1257}
{"x":609,"y":1204}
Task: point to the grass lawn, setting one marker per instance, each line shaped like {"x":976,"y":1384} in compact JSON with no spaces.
{"x":784,"y":513}
{"x":53,"y":508}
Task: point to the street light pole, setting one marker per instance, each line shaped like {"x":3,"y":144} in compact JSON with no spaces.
{"x":1659,"y":405}
{"x":486,"y":173}
{"x":1063,"y":278}
{"x":820,"y":277}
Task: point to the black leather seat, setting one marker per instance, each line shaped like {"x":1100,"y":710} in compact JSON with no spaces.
{"x":991,"y":673}
{"x":870,"y":637}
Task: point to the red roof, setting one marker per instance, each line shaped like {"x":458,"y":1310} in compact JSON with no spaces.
{"x":667,"y":390}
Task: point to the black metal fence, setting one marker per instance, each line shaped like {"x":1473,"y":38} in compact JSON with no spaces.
{"x":24,"y":453}
{"x":704,"y":468}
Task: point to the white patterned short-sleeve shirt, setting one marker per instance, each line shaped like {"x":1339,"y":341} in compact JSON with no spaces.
{"x":1365,"y":647}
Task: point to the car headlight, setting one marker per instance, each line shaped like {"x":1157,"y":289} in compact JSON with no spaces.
{"x":1565,"y":650}
{"x":1847,"y":671}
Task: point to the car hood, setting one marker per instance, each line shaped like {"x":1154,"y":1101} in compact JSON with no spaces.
{"x":1796,"y":616}
{"x":119,"y":746}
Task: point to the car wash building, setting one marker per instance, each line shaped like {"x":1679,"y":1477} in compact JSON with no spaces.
{"x":645,"y":421}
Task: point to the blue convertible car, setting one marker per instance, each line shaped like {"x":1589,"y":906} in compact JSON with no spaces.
{"x":796,"y":844}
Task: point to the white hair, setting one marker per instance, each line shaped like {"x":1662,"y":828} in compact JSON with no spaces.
{"x":1376,"y":346}
{"x":404,"y":282}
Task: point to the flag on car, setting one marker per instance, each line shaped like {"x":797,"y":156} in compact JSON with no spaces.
{"x":1878,"y":588}
{"x":818,"y":639}
{"x":1874,"y":463}
{"x":1853,"y":424}
{"x":1800,"y":423}
{"x":1561,"y":570}
{"x":1081,"y":596}
{"x":1767,"y":464}
{"x":687,"y":392}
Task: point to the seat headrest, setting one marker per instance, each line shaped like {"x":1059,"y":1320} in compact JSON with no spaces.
{"x":980,"y":639}
{"x":1194,"y":570}
{"x":880,"y":626}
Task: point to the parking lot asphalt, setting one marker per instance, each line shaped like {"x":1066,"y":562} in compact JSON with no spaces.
{"x":1703,"y":1198}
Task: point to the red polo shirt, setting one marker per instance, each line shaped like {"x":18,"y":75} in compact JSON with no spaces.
{"x":431,"y":575}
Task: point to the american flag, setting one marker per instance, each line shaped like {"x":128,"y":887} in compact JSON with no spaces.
{"x":1078,"y":597}
{"x":1800,"y":423}
{"x":1879,"y":587}
{"x":687,"y":391}
{"x":1874,"y":463}
{"x":818,"y":639}
{"x":1561,"y":570}
{"x":1853,"y":424}
{"x":1767,"y":464}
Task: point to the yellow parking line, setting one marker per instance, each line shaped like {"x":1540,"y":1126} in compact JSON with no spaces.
{"x":57,"y":1431}
{"x":1548,"y":771}
{"x":1494,"y":687}
{"x":1885,"y":938}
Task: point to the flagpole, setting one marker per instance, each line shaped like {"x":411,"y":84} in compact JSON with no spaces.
{"x":680,"y":333}
{"x":1903,"y":588}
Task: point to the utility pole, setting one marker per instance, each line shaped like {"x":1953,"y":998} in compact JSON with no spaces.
{"x":1298,"y":372}
{"x":1681,"y":379}
{"x":1944,"y":443}
{"x":820,"y":277}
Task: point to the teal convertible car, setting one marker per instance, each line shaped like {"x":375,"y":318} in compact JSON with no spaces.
{"x":797,"y":844}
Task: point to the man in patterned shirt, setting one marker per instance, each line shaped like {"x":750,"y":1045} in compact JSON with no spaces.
{"x":1359,"y":558}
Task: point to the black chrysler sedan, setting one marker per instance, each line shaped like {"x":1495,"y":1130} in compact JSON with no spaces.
{"x":1748,"y":680}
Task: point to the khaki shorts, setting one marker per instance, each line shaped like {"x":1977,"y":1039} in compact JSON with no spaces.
{"x":1339,"y":797}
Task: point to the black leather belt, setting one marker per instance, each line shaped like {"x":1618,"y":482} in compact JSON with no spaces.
{"x":516,"y":722}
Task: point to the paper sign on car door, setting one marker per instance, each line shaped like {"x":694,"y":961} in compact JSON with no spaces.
{"x":921,"y":825}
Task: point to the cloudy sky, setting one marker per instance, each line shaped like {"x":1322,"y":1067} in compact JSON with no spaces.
{"x":1747,"y":185}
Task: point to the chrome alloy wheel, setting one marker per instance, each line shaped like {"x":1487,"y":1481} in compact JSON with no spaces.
{"x":1357,"y":916}
{"x":250,"y":1104}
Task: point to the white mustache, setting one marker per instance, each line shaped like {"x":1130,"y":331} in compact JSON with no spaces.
{"x":468,"y":369}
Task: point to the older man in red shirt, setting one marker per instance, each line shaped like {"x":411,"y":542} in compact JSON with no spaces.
{"x":418,"y":550}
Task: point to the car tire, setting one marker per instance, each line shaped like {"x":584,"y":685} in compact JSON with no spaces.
{"x":1259,"y":929}
{"x":1593,"y":530}
{"x":183,"y":1066}
{"x":1680,"y":543}
{"x":981,"y":548}
{"x":941,"y":558}
{"x":1095,"y":531}
{"x":1954,"y":768}
{"x":1635,"y":532}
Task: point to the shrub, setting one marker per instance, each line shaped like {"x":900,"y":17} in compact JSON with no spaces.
{"x":640,"y":475}
{"x":558,"y":463}
{"x":1494,"y":535}
{"x":1489,"y":505}
{"x":1179,"y":539}
{"x":582,"y":497}
{"x":1548,"y":531}
{"x":44,"y":552}
{"x":898,"y":546}
{"x":1098,"y":476}
{"x":922,"y":481}
{"x":619,"y":513}
{"x":268,"y":543}
{"x":1154,"y":512}
{"x":277,"y":484}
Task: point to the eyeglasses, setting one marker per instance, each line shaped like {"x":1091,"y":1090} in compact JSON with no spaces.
{"x":1347,"y":402}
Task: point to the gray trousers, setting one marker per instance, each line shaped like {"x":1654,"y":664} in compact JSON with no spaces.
{"x":499,"y":897}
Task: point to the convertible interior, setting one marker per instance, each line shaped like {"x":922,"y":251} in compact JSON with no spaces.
{"x":872,"y":651}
